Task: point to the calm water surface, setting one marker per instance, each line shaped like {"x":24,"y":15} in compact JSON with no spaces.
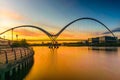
{"x":75,"y":63}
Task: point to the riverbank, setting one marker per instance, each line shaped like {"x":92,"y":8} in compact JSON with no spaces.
{"x":80,"y":45}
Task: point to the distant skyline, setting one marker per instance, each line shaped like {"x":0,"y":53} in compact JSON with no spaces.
{"x":52,"y":15}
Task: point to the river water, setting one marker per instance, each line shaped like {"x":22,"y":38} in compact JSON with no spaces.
{"x":75,"y":63}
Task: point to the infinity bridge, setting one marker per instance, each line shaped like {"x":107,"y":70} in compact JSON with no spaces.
{"x":18,"y":59}
{"x":54,"y":37}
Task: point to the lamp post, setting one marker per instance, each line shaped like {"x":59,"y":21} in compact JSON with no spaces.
{"x":12,"y":34}
{"x":17,"y":37}
{"x":12,"y":38}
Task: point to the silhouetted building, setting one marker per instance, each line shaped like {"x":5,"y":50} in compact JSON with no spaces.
{"x":103,"y":39}
{"x":93,"y":40}
{"x":107,"y":39}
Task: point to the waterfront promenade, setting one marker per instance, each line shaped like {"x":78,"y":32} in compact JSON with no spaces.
{"x":14,"y":60}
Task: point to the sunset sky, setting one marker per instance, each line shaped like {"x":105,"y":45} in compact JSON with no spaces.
{"x":53,"y":15}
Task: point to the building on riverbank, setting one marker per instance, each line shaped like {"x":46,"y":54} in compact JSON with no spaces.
{"x":102,"y":39}
{"x":107,"y":39}
{"x":93,"y":40}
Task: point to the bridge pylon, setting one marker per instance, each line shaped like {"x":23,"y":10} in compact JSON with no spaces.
{"x":54,"y":43}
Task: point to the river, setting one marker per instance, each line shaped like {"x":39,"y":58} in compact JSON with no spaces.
{"x":75,"y":63}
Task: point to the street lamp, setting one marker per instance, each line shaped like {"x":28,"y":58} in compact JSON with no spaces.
{"x":12,"y":35}
{"x":17,"y":37}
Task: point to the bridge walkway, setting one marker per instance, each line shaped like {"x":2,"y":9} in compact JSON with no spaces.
{"x":14,"y":60}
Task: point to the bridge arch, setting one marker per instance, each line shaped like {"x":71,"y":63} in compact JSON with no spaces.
{"x":84,"y":18}
{"x":47,"y":33}
{"x":54,"y":37}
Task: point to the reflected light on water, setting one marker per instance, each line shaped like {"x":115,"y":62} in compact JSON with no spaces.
{"x":75,"y":63}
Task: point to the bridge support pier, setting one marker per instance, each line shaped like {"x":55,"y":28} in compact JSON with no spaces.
{"x":2,"y":76}
{"x":18,"y":68}
{"x":7,"y":75}
{"x":14,"y":71}
{"x":54,"y":43}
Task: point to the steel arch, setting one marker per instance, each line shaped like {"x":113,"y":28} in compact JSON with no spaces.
{"x":87,"y":18}
{"x":54,"y":37}
{"x":47,"y":33}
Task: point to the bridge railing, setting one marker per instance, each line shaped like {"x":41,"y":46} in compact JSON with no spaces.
{"x":10,"y":55}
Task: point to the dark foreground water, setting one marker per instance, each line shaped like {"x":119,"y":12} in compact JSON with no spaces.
{"x":75,"y":63}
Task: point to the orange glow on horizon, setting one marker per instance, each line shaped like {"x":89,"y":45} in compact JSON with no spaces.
{"x":32,"y":35}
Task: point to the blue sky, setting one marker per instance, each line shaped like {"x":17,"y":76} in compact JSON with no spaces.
{"x":57,"y":13}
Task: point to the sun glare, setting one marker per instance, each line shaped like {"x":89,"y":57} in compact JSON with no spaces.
{"x":5,"y":23}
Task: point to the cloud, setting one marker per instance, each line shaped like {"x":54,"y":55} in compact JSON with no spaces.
{"x":67,"y":35}
{"x":114,"y":30}
{"x":7,"y":15}
{"x":11,"y":15}
{"x":25,"y":32}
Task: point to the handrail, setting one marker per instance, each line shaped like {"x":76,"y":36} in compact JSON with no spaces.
{"x":24,"y":52}
{"x":21,"y":53}
{"x":14,"y":54}
{"x":7,"y":57}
